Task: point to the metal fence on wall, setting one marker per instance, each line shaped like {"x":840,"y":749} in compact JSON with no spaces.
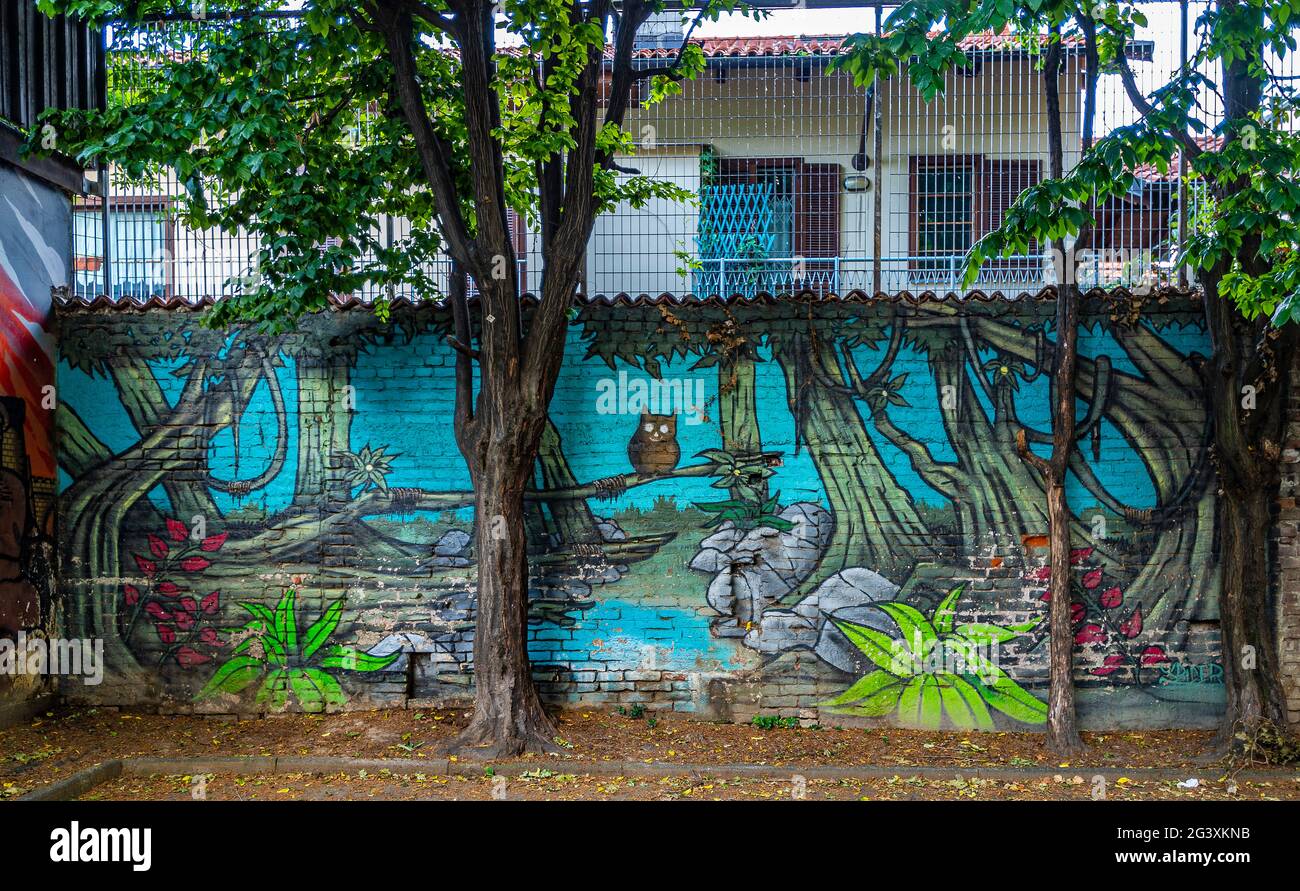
{"x":799,"y":177}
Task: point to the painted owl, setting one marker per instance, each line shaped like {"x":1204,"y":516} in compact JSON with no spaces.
{"x":653,"y":449}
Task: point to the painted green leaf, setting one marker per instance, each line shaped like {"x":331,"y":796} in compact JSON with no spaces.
{"x":920,"y":704}
{"x":286,"y":623}
{"x":873,"y":644}
{"x":274,"y":691}
{"x":259,"y":612}
{"x":984,"y":633}
{"x":354,"y":660}
{"x":233,"y":676}
{"x":916,"y":628}
{"x":322,"y":628}
{"x":946,"y":611}
{"x":979,"y":711}
{"x":882,"y":702}
{"x":1008,"y":697}
{"x":315,"y":689}
{"x":864,"y":688}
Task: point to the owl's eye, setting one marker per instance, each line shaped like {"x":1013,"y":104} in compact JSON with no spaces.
{"x":649,"y":428}
{"x":663,"y":428}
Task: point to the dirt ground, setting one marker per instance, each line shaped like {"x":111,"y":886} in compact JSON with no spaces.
{"x":60,"y":743}
{"x":551,"y":784}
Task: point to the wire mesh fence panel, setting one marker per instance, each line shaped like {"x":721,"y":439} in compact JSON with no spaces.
{"x":790,"y":176}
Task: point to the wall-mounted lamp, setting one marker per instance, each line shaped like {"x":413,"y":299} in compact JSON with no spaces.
{"x":857,"y":182}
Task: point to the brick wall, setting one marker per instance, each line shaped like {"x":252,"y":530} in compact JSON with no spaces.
{"x":729,"y":497}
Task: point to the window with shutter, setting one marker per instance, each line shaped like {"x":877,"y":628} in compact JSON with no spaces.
{"x":942,"y":215}
{"x":801,"y":225}
{"x":817,"y":225}
{"x":955,"y":200}
{"x":1003,"y":181}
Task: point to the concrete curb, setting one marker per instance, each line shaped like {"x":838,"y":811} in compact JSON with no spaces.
{"x":73,"y":787}
{"x":81,"y":782}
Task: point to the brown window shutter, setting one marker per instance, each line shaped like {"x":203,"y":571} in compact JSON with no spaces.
{"x":817,"y":221}
{"x":1002,"y":183}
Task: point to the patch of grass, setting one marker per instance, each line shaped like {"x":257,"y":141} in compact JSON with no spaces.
{"x":772,"y":722}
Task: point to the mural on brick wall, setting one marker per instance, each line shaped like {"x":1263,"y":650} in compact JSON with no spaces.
{"x":34,"y":247}
{"x":767,"y":505}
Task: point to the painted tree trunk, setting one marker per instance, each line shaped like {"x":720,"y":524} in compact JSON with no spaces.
{"x":147,"y":406}
{"x":571,"y":517}
{"x":876,"y":522}
{"x":324,"y":425}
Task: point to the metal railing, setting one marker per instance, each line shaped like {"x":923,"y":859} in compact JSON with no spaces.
{"x":849,"y":174}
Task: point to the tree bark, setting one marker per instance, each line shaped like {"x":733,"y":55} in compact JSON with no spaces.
{"x":1247,"y":435}
{"x":1062,"y":729}
{"x":508,"y":715}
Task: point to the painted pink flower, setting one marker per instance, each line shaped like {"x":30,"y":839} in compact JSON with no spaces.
{"x":1078,"y":555}
{"x":1089,"y":634}
{"x":184,"y":621}
{"x":210,"y":637}
{"x":148,"y":567}
{"x":1092,"y":579}
{"x":1111,"y":664}
{"x":168,"y":589}
{"x":1111,"y":598}
{"x":166,"y":634}
{"x":1132,"y":626}
{"x":211,"y":603}
{"x":1047,"y":597}
{"x":189,"y":604}
{"x":158,"y":547}
{"x":188,"y":657}
{"x":213,"y":542}
{"x":132,"y":594}
{"x":1154,"y":656}
{"x":1041,"y":574}
{"x":177,"y":530}
{"x":195,"y":564}
{"x":1077,"y":612}
{"x":155,"y":610}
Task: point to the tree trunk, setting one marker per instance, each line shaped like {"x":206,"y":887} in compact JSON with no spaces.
{"x":1062,"y":732}
{"x":1062,"y":729}
{"x":1247,"y":436}
{"x":1247,"y":444}
{"x":508,"y":714}
{"x":1252,"y":671}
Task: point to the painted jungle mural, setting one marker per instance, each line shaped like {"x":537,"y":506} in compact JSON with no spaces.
{"x":766,"y":505}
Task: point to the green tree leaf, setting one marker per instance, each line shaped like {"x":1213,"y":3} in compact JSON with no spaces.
{"x":984,"y":634}
{"x":274,"y":692}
